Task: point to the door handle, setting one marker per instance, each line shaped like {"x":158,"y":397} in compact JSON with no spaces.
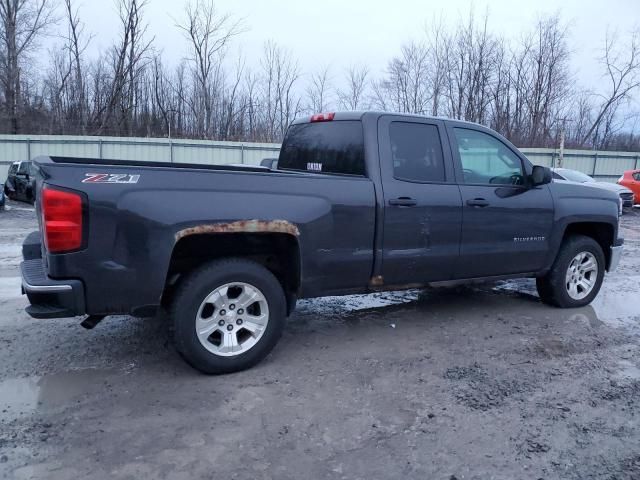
{"x":403,"y":202}
{"x":478,"y":202}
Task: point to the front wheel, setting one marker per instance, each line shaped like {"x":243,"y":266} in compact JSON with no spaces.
{"x":576,"y":275}
{"x":228,"y":315}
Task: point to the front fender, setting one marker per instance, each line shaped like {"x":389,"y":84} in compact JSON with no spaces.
{"x":578,"y":204}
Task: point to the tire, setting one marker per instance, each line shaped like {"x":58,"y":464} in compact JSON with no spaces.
{"x":563,"y":288}
{"x":205,"y":298}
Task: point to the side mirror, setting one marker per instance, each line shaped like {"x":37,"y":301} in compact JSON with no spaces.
{"x":540,"y":175}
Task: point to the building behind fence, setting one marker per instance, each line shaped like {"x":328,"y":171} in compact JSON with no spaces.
{"x":607,"y":166}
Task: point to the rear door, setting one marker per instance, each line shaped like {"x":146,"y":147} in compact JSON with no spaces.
{"x":505,"y":223}
{"x":422,"y":204}
{"x":10,"y":183}
{"x":22,"y":179}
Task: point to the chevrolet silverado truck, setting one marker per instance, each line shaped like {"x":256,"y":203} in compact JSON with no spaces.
{"x":359,"y":202}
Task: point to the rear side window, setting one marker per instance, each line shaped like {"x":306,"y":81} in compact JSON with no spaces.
{"x":324,"y":147}
{"x":416,"y":152}
{"x":25,"y":167}
{"x":13,"y":169}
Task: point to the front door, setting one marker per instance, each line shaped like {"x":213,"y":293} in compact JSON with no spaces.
{"x":506,"y":223}
{"x":422,"y":209}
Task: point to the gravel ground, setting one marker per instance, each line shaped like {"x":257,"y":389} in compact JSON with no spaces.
{"x":470,"y":383}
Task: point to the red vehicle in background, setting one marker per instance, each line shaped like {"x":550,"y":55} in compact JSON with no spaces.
{"x":631,"y":180}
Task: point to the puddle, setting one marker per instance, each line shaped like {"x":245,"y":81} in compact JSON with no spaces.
{"x":22,"y":396}
{"x":628,"y":371}
{"x":18,"y":396}
{"x":617,"y":304}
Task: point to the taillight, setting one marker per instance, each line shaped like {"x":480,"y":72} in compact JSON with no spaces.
{"x":61,"y":220}
{"x":322,"y":117}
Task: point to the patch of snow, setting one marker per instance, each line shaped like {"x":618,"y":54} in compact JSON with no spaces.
{"x":10,"y":287}
{"x":350,"y":303}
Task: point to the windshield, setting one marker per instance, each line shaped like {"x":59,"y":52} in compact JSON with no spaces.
{"x":575,"y":176}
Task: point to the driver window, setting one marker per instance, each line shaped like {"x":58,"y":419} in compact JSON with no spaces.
{"x":486,"y":160}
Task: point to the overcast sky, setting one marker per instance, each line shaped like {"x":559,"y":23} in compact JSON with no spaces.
{"x":343,"y":32}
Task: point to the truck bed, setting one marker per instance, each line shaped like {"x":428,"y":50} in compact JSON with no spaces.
{"x":138,"y":163}
{"x":134,"y":227}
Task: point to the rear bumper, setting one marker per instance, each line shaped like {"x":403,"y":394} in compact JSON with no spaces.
{"x":628,"y":202}
{"x":49,"y":298}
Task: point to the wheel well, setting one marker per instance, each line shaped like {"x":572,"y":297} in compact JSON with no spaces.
{"x":600,"y":232}
{"x":278,"y":252}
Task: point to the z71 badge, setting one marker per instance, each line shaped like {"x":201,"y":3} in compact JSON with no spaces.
{"x":110,"y":178}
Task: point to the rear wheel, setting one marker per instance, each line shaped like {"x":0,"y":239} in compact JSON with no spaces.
{"x":576,"y":275}
{"x":228,"y":315}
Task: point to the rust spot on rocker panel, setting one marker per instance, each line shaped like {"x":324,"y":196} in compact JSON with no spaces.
{"x":376,"y":281}
{"x":242,"y":226}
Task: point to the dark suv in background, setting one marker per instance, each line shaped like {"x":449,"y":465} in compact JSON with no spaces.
{"x":21,"y":183}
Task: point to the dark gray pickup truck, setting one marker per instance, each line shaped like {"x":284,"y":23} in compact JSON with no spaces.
{"x":360,"y":202}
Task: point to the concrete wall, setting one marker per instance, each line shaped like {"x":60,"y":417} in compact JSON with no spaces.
{"x":606,"y":166}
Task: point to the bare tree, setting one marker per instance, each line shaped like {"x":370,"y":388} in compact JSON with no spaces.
{"x":252,"y":105}
{"x":522,"y":89}
{"x":405,"y":87}
{"x":472,"y":58}
{"x":208,"y":33}
{"x":622,"y":67}
{"x":548,"y":85}
{"x":280,"y":102}
{"x":233,"y":105}
{"x":126,"y":61}
{"x":353,"y":96}
{"x":161,"y":91}
{"x":22,"y":23}
{"x":75,"y":45}
{"x":319,"y":91}
{"x":439,"y":47}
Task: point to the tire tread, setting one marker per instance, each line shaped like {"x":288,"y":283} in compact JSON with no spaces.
{"x":551,"y":288}
{"x":204,"y":274}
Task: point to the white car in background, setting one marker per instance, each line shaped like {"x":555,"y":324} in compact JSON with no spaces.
{"x":568,"y":175}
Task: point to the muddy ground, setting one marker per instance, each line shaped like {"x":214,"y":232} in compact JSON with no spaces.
{"x":472,"y":383}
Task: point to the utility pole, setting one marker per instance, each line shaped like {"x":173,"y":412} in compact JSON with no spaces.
{"x":172,"y":111}
{"x":562,"y":134}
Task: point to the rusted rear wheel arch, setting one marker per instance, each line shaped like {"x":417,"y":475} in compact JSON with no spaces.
{"x":276,"y":249}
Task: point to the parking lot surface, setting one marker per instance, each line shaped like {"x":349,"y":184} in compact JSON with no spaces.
{"x":474,"y":382}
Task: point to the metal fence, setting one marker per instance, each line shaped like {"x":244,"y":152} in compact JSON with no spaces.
{"x":607,"y":166}
{"x":15,"y":148}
